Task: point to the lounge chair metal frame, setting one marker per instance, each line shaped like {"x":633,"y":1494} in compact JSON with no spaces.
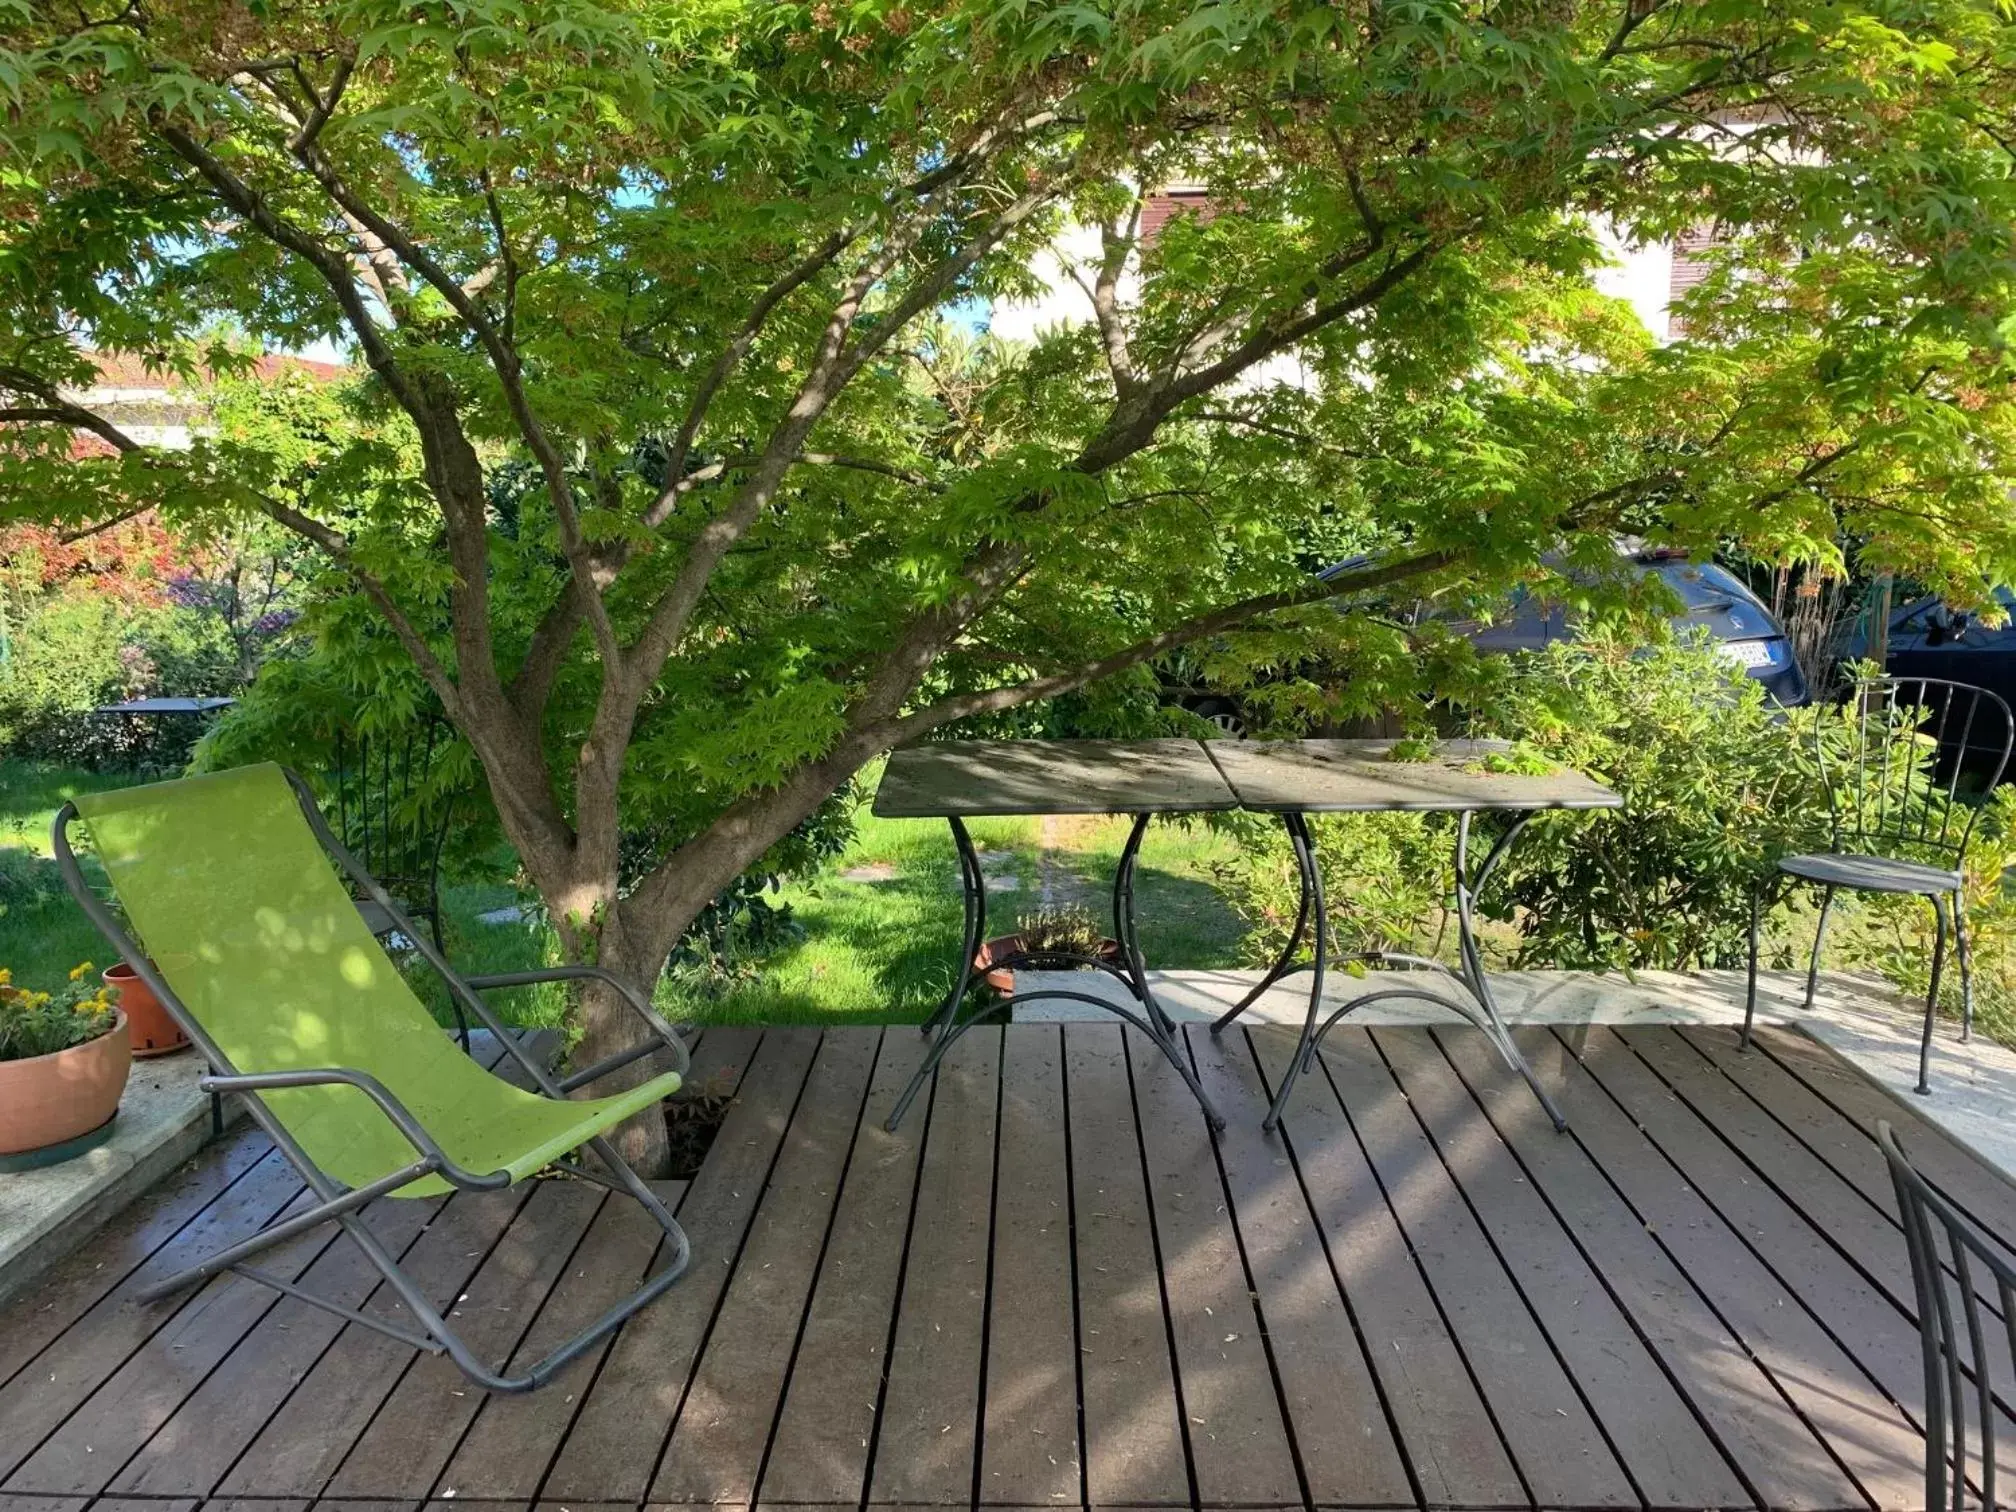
{"x":340,"y":1203}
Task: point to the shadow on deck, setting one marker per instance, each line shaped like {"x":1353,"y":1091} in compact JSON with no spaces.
{"x":1052,"y":1289}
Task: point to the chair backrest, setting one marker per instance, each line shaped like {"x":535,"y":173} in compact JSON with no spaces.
{"x":1894,"y":785}
{"x":232,"y":895}
{"x":1952,"y":1265}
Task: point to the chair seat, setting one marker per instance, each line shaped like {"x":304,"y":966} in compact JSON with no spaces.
{"x":1873,"y":874}
{"x":498,"y":1127}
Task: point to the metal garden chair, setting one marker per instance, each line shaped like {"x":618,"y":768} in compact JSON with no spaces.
{"x":1952,"y":1264}
{"x":255,"y":947}
{"x":1900,"y":825}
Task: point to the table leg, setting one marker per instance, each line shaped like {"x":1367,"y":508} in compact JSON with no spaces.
{"x":1468,"y":886}
{"x":973,"y":883}
{"x":1151,"y":1020}
{"x":1302,"y":841}
{"x":1125,"y":928}
{"x":1284,"y":964}
{"x":1482,"y":1011}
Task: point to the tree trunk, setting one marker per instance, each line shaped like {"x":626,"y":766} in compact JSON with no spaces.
{"x":608,"y":1026}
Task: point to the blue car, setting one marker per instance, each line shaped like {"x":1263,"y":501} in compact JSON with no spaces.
{"x":1711,"y":598}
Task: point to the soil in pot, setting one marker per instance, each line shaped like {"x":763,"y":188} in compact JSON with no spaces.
{"x":51,"y":1105}
{"x":154,"y":1031}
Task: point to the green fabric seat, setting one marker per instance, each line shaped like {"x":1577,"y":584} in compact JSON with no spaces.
{"x":232,"y":895}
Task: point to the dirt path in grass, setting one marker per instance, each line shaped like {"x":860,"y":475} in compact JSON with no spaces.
{"x":1059,"y":838}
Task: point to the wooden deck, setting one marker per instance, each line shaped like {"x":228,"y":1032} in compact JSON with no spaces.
{"x":1051,"y":1289}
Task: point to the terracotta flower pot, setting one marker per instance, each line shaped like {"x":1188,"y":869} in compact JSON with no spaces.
{"x":154,"y":1032}
{"x":1007,"y":947}
{"x":50,"y":1099}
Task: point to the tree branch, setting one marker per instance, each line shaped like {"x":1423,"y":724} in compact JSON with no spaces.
{"x":1216,"y":621}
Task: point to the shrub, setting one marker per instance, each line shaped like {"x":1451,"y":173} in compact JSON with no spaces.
{"x":1385,"y":881}
{"x":1060,"y":929}
{"x":1717,"y":782}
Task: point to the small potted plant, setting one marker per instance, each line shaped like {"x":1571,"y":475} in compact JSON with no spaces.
{"x":1055,"y":938}
{"x":153,"y":1029}
{"x":64,"y":1058}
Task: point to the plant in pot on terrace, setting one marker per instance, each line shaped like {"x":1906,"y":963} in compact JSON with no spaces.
{"x":153,"y":1028}
{"x":1055,"y":937}
{"x":64,"y":1057}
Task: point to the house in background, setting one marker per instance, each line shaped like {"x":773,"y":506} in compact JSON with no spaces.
{"x":162,"y":409}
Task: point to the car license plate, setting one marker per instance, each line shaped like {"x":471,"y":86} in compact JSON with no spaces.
{"x":1748,"y":653}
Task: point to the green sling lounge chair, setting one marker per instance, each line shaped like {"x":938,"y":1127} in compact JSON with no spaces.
{"x":258,"y":950}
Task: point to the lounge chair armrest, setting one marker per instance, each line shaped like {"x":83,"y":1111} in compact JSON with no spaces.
{"x":401,"y":1117}
{"x":637,"y":1001}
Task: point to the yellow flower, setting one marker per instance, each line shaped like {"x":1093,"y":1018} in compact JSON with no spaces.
{"x":80,"y":971}
{"x":6,"y":976}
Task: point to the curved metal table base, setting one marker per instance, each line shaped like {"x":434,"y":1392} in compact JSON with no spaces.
{"x":947,"y":1022}
{"x":1483,"y":1012}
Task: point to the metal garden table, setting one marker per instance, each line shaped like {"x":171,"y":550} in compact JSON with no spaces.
{"x":1297,"y":778}
{"x":961,"y":780}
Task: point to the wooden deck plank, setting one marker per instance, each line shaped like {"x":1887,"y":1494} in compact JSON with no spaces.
{"x":1860,"y":1233}
{"x":512,"y":1443}
{"x":1135,"y":1451}
{"x":1821,"y":1132}
{"x":1772,"y":1447}
{"x":1830,"y":1135}
{"x":1546,"y":1423}
{"x":612,"y":1450}
{"x":819,"y":1449}
{"x":1451,"y":1444}
{"x":192,"y":1451}
{"x":84,"y":1359}
{"x":1672,"y":1461}
{"x":716,"y":1449}
{"x":79,"y":1361}
{"x":1984,"y":1193}
{"x":1725,"y":1288}
{"x":927,"y":1444}
{"x":1344,"y":1436}
{"x":418,"y":1427}
{"x":1029,"y":1445}
{"x":34,"y":1317}
{"x":170,"y":1361}
{"x":1838,"y":1296}
{"x":1874,"y":1443}
{"x":1238,"y":1442}
{"x":303,"y":1445}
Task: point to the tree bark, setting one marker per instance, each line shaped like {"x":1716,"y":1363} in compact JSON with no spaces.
{"x":610,"y":1025}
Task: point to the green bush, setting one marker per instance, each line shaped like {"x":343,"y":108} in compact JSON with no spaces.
{"x":75,"y":649}
{"x":1716,"y":783}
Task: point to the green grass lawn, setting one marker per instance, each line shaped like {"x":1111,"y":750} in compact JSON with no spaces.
{"x":881,"y":930}
{"x":878,"y":938}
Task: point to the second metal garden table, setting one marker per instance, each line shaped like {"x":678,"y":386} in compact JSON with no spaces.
{"x":1297,"y":778}
{"x":960,"y":780}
